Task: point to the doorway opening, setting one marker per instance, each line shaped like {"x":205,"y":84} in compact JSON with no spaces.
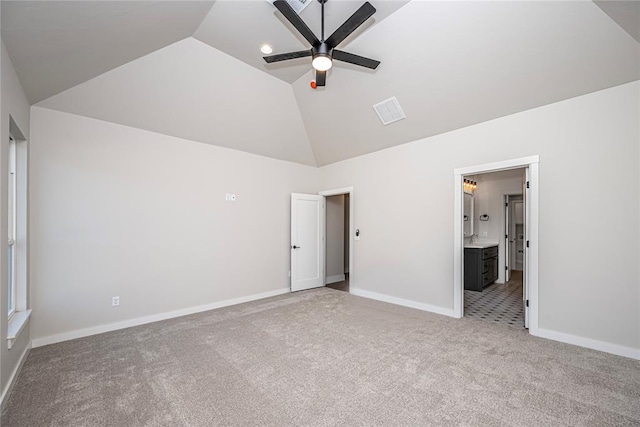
{"x":337,"y":245}
{"x":483,"y":247}
{"x":309,"y":248}
{"x":494,"y":288}
{"x":337,"y":242}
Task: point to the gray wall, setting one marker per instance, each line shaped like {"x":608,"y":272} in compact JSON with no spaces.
{"x":14,"y":104}
{"x":139,"y":215}
{"x":489,"y":199}
{"x":403,"y":205}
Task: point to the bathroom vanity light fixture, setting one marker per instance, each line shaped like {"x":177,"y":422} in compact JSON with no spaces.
{"x":469,"y":186}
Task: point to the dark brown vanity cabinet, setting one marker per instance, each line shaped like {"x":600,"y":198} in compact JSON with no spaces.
{"x":480,"y":267}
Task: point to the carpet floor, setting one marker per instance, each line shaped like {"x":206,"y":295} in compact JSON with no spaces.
{"x":322,"y":357}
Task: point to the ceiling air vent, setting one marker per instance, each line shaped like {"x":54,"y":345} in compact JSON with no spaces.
{"x":389,"y":111}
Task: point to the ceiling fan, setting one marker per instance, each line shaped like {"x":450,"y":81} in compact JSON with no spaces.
{"x":324,"y":51}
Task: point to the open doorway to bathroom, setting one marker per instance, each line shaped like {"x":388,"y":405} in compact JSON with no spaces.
{"x":494,"y":230}
{"x":531,"y":165}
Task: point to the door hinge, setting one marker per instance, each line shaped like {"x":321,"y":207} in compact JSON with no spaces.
{"x":527,"y":303}
{"x":506,"y":204}
{"x":527,"y":184}
{"x":527,"y":243}
{"x":506,"y":236}
{"x":506,"y":267}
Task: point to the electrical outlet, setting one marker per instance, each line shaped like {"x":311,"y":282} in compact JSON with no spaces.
{"x":230,"y":197}
{"x":289,"y":274}
{"x":485,"y":234}
{"x":115,"y":301}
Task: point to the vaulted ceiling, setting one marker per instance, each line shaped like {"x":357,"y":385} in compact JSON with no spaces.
{"x":193,"y":69}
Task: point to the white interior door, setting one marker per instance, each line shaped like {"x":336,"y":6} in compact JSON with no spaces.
{"x":307,"y":256}
{"x":525,"y":272}
{"x":507,"y":243}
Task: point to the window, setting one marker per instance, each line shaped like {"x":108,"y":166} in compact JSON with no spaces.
{"x":11,"y":249}
{"x":17,"y":306}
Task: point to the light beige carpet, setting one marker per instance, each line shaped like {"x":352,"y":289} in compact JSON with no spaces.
{"x":322,"y":357}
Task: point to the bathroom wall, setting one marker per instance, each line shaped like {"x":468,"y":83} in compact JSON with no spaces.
{"x":489,"y":200}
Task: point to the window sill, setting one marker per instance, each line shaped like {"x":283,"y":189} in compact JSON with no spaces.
{"x":16,"y":324}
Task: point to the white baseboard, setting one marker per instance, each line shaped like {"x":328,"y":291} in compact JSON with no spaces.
{"x":402,"y":302}
{"x":632,"y":353}
{"x":66,"y":336}
{"x":14,"y":376}
{"x":334,"y":279}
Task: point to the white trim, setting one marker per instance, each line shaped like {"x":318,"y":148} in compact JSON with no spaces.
{"x":533,"y":208}
{"x":337,"y":192}
{"x":403,"y":302}
{"x":52,"y":339}
{"x":532,"y":225}
{"x":14,"y":376}
{"x":334,"y":279}
{"x":15,"y":326}
{"x":616,"y":349}
{"x":497,"y":166}
{"x":458,"y":244}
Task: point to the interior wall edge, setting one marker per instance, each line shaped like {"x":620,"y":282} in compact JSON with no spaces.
{"x":401,"y":301}
{"x":618,"y":350}
{"x":81,"y":333}
{"x":4,"y":398}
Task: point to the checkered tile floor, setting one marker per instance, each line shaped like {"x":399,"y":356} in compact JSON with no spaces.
{"x":497,"y":303}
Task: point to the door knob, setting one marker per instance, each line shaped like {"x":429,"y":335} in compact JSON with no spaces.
{"x":295,"y":247}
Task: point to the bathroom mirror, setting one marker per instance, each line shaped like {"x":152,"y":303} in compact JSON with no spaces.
{"x":467,"y":213}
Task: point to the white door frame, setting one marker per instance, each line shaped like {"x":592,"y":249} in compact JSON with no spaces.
{"x":338,"y":192}
{"x":507,"y":244}
{"x":532,"y":162}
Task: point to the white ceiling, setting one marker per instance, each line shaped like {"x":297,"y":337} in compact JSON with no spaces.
{"x":55,"y":45}
{"x":450,"y":64}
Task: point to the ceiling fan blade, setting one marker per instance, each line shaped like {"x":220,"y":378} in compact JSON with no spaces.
{"x":350,"y":25}
{"x":287,"y":56}
{"x":355,"y":59}
{"x":321,"y":78}
{"x":296,"y":21}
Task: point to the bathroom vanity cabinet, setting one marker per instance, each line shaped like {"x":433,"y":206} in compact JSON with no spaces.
{"x":480,"y":266}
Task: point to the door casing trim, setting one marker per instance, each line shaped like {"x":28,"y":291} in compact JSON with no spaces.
{"x":531,"y":162}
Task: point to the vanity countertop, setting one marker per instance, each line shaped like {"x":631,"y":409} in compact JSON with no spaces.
{"x":480,"y":245}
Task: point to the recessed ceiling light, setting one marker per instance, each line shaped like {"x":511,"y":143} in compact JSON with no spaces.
{"x":266,"y":48}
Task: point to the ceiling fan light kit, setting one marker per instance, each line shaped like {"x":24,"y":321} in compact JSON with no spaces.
{"x":323,"y":52}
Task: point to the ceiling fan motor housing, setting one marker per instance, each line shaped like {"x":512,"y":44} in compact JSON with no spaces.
{"x":321,"y":49}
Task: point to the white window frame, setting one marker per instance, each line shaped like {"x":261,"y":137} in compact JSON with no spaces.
{"x":17,"y":164}
{"x":12,"y":228}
